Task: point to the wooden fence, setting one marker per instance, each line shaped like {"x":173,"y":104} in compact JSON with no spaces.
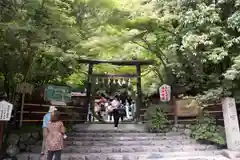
{"x":35,"y":112}
{"x":215,"y":110}
{"x":35,"y":107}
{"x":78,"y":113}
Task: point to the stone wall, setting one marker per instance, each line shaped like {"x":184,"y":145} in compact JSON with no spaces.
{"x":20,"y":142}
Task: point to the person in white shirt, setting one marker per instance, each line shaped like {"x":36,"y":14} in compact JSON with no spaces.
{"x":114,"y":107}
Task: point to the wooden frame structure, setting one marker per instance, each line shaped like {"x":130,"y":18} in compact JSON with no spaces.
{"x":137,"y":63}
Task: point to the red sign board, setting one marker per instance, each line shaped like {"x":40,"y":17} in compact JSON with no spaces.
{"x":165,"y":93}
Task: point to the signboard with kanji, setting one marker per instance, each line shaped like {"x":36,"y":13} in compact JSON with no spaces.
{"x":24,"y":88}
{"x":57,"y":93}
{"x":165,"y":93}
{"x":5,"y":111}
{"x":187,"y":108}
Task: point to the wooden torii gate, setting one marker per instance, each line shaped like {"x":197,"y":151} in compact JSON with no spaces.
{"x":137,"y":63}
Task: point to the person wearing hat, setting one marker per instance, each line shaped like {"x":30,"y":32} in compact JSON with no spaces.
{"x":46,"y":119}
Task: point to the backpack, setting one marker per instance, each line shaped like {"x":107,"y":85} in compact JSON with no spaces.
{"x":121,"y":111}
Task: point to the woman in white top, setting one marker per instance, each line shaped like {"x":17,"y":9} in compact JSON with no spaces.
{"x":114,"y":107}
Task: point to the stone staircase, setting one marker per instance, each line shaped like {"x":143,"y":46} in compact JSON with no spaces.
{"x":130,"y":142}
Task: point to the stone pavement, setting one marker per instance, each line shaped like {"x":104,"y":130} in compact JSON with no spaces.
{"x":109,"y":127}
{"x":130,"y":142}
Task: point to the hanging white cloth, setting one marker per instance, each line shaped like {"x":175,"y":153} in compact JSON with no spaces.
{"x":123,"y":81}
{"x":129,"y":82}
{"x":97,"y":81}
{"x":119,"y":82}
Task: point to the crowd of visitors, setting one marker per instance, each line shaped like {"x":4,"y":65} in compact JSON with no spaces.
{"x":116,"y":108}
{"x":54,"y":132}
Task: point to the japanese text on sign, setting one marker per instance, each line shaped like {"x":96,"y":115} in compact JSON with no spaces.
{"x":5,"y":111}
{"x":57,"y":93}
{"x":165,"y":93}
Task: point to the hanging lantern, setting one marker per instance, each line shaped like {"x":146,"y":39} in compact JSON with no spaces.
{"x":109,"y":80}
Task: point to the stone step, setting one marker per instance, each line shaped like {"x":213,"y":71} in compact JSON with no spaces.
{"x":136,"y":148}
{"x":107,"y":130}
{"x":218,"y":157}
{"x":131,"y":156}
{"x":123,"y":128}
{"x":127,"y":138}
{"x":130,"y":143}
{"x":117,"y":134}
{"x":179,"y":131}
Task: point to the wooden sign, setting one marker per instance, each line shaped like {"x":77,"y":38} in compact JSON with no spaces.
{"x":57,"y":93}
{"x":187,"y":108}
{"x":165,"y":93}
{"x":5,"y":111}
{"x":24,"y":88}
{"x":78,"y":94}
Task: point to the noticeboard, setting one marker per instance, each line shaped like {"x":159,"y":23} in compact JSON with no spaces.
{"x":165,"y":93}
{"x":187,"y":108}
{"x":5,"y":111}
{"x":57,"y":93}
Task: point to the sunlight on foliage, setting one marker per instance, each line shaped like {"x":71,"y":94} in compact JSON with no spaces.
{"x":194,"y":44}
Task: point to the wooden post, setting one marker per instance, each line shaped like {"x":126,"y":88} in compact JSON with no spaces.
{"x":139,"y":92}
{"x":175,"y":111}
{"x":22,"y":109}
{"x":1,"y":134}
{"x":89,"y":83}
{"x":92,"y":97}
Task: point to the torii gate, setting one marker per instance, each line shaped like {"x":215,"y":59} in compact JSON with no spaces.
{"x":137,"y":63}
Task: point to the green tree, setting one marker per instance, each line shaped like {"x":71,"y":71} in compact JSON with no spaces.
{"x":37,"y":40}
{"x":195,"y":43}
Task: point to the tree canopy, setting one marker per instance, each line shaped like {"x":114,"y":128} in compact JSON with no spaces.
{"x":194,"y":43}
